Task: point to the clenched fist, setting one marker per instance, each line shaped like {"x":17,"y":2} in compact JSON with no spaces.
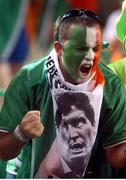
{"x":31,"y":125}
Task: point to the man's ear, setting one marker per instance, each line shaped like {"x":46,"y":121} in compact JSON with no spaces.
{"x":58,"y":48}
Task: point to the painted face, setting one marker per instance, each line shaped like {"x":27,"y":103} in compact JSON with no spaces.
{"x":75,"y":134}
{"x":81,"y":52}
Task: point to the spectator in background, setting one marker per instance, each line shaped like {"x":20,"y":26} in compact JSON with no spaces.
{"x":33,"y":19}
{"x":109,"y":35}
{"x":51,"y":10}
{"x":93,"y":5}
{"x":119,"y":67}
{"x":13,"y":33}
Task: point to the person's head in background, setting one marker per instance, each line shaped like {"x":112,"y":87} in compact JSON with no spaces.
{"x":75,"y":123}
{"x":121,"y":26}
{"x":115,"y":52}
{"x":78,"y":43}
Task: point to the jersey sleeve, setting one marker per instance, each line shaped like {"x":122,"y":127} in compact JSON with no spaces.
{"x":112,"y":126}
{"x":119,"y":68}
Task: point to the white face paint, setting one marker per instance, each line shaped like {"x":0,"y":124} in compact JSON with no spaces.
{"x":91,"y":43}
{"x":87,"y":63}
{"x":91,"y":36}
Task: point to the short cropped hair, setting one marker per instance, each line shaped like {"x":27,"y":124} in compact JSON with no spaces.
{"x":66,"y":100}
{"x":88,"y":18}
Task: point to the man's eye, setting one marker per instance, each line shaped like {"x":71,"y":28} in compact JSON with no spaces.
{"x":86,"y":48}
{"x":78,"y":123}
{"x":82,"y":49}
{"x":79,"y":49}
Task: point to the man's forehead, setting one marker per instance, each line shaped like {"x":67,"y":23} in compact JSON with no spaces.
{"x":85,"y":34}
{"x":77,"y":29}
{"x":82,"y":27}
{"x":91,"y":36}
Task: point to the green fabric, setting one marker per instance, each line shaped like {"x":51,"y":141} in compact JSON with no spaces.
{"x":24,"y":171}
{"x":105,"y":56}
{"x":112,"y":120}
{"x":12,"y":14}
{"x":30,"y":90}
{"x":3,"y":169}
{"x":13,"y":165}
{"x":121,"y":25}
{"x":8,"y":17}
{"x":119,"y":68}
{"x":60,"y":8}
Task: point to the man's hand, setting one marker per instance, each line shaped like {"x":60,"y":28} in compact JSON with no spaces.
{"x":31,"y":125}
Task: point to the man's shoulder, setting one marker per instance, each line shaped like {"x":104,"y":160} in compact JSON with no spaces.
{"x":35,"y":64}
{"x":34,"y":71}
{"x":109,"y":75}
{"x":112,"y":83}
{"x":119,"y":67}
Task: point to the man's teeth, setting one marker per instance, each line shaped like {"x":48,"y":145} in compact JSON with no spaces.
{"x":84,"y":69}
{"x":86,"y":65}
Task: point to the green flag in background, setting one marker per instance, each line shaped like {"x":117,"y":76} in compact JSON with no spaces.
{"x":12,"y":15}
{"x":121,"y":25}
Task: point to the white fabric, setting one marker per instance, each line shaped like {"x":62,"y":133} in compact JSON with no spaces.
{"x":58,"y":85}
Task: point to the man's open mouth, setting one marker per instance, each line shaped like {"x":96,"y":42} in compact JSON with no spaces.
{"x":77,"y":147}
{"x":85,"y":69}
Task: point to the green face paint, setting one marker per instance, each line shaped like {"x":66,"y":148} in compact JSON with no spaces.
{"x":74,"y":51}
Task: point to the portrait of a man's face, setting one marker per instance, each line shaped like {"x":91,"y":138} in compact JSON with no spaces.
{"x":74,"y":121}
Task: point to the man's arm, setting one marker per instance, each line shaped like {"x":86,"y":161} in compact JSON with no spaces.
{"x":30,"y":127}
{"x":116,"y":155}
{"x":9,"y":146}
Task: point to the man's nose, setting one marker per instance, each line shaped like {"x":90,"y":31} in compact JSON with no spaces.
{"x":73,"y":132}
{"x":90,"y":55}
